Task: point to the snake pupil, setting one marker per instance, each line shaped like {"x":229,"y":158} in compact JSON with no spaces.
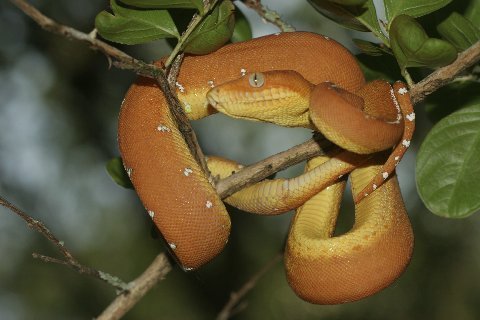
{"x":256,"y":79}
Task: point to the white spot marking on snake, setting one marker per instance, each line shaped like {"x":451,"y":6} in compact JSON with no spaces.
{"x":187,"y":171}
{"x":326,"y":38}
{"x":209,"y":204}
{"x":385,"y":175}
{"x":180,"y":87}
{"x":187,"y":268}
{"x":172,"y":245}
{"x":397,"y":158}
{"x":366,"y":194}
{"x":374,"y":186}
{"x":277,"y":34}
{"x":163,"y":128}
{"x":188,"y":108}
{"x":411,"y":116}
{"x":397,"y":106}
{"x":402,"y":90}
{"x":211,"y":83}
{"x":151,"y":213}
{"x":129,"y":172}
{"x":406,"y":143}
{"x":243,"y":71}
{"x":340,"y":176}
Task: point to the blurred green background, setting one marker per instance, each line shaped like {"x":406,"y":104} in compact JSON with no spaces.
{"x":58,"y":111}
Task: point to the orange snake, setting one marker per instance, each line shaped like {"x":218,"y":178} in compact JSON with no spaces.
{"x":292,"y":79}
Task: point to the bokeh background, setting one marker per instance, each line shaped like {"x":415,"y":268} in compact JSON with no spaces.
{"x":59,"y":102}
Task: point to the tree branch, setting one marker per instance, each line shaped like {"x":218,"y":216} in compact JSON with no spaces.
{"x":69,"y":259}
{"x":443,"y":76}
{"x":235,"y":297}
{"x":268,"y":15}
{"x":155,"y":272}
{"x":268,"y":166}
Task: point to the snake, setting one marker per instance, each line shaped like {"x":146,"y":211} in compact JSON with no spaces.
{"x":297,"y":79}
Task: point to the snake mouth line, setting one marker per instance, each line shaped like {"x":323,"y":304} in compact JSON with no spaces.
{"x":224,"y":105}
{"x":235,"y":97}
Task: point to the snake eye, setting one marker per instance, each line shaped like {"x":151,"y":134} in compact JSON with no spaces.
{"x":256,"y":79}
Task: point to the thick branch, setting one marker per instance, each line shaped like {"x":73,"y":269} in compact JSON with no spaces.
{"x":268,"y":166}
{"x":155,"y":272}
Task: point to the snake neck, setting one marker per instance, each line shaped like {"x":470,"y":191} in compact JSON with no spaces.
{"x":194,"y":103}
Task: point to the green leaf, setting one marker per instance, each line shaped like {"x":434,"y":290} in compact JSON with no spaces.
{"x":448,"y":170}
{"x":213,"y":31}
{"x":413,"y":48}
{"x":242,"y":30}
{"x":413,"y":8}
{"x":360,"y":17}
{"x":472,"y":13}
{"x":339,"y":14}
{"x":118,"y":174}
{"x":134,"y":26}
{"x":166,"y":4}
{"x":370,"y":48}
{"x":459,"y":31}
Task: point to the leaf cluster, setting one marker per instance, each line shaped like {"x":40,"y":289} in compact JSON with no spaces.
{"x":140,"y":21}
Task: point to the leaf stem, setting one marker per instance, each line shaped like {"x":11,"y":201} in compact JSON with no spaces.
{"x":407,"y":77}
{"x":197,"y":18}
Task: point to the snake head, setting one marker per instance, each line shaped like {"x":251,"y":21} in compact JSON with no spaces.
{"x":280,"y":97}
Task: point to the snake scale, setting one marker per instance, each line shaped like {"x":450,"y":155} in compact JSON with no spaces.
{"x":291,"y":79}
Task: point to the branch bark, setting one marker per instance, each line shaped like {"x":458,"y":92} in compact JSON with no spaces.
{"x":269,"y":15}
{"x":155,"y":272}
{"x":443,"y":76}
{"x":69,"y":260}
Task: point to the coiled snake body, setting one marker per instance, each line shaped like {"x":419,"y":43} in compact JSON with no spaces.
{"x":292,"y":79}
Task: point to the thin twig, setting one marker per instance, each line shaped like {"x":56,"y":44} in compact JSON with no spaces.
{"x":269,"y":15}
{"x":155,"y":272}
{"x":235,"y":297}
{"x":174,"y":70}
{"x":69,"y":259}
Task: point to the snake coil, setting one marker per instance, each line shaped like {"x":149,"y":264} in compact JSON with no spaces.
{"x":292,"y":79}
